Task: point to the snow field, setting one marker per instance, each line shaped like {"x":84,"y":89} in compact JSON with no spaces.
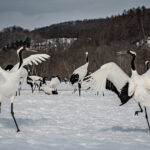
{"x":69,"y":122}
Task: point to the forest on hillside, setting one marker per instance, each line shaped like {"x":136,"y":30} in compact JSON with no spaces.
{"x":105,"y":39}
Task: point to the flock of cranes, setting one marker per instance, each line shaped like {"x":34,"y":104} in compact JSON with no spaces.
{"x":110,"y":76}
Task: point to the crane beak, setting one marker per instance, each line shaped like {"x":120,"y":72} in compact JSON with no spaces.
{"x":121,"y":53}
{"x":30,"y":50}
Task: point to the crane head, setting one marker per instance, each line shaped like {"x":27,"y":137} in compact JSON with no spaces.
{"x":146,"y":62}
{"x":20,"y":49}
{"x":132,"y":52}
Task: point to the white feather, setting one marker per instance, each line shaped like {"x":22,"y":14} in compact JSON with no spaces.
{"x":23,"y":74}
{"x":54,"y":82}
{"x":47,"y":90}
{"x":3,"y":75}
{"x":9,"y":82}
{"x":36,"y":78}
{"x":82,"y":71}
{"x":142,"y":96}
{"x":110,"y":71}
{"x":33,"y":59}
{"x":145,"y":79}
{"x":133,"y":82}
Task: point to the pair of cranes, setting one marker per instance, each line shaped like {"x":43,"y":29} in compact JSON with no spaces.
{"x":37,"y":81}
{"x":125,"y":87}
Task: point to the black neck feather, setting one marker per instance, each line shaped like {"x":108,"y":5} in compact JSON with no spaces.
{"x":87,"y":59}
{"x":147,"y":66}
{"x":20,"y":59}
{"x":133,"y":62}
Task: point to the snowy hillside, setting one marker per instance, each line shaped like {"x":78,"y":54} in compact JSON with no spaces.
{"x":69,"y":122}
{"x":53,"y":43}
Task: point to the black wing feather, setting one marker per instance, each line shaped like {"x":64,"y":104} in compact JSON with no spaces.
{"x":123,"y":95}
{"x":74,"y":78}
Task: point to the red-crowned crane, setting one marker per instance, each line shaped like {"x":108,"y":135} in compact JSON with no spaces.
{"x":9,"y":80}
{"x":54,"y":82}
{"x":79,"y":74}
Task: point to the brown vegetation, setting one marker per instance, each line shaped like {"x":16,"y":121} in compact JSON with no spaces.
{"x":105,"y":39}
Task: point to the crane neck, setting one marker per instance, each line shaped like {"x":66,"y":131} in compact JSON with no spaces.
{"x":133,"y":62}
{"x":147,"y":66}
{"x":20,"y":59}
{"x":87,"y":59}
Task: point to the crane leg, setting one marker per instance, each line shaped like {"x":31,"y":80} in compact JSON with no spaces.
{"x":97,"y":93}
{"x":74,"y":91}
{"x":12,"y":113}
{"x":146,"y":116}
{"x":19,"y":91}
{"x":0,"y":102}
{"x":39,"y":89}
{"x":34,"y":88}
{"x":0,"y":106}
{"x":79,"y":86}
{"x":88,"y":88}
{"x":103,"y":94}
{"x":19,"y":88}
{"x":139,"y":111}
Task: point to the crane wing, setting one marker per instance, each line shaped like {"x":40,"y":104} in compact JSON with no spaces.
{"x":142,"y":96}
{"x":145,"y":78}
{"x":110,"y":76}
{"x":36,"y":78}
{"x":33,"y":59}
{"x":111,"y":72}
{"x":81,"y":71}
{"x":81,"y":68}
{"x":3,"y":75}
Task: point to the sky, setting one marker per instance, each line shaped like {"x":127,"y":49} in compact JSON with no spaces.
{"x":31,"y":14}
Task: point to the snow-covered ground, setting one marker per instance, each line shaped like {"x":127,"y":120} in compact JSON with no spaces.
{"x":69,"y":122}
